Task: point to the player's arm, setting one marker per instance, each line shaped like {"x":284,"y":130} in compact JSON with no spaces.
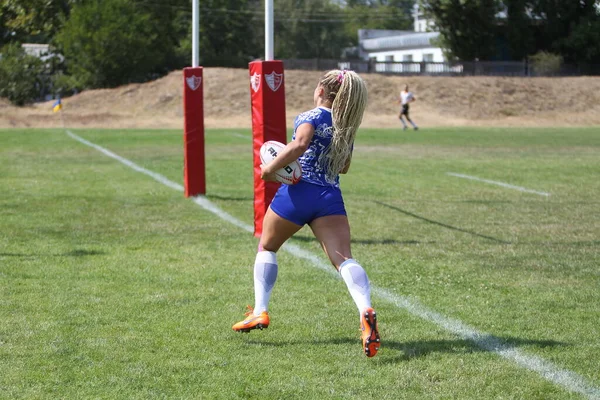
{"x":292,"y":151}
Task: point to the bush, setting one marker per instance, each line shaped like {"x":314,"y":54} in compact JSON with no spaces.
{"x":64,"y":85}
{"x":21,"y":75}
{"x":546,"y":64}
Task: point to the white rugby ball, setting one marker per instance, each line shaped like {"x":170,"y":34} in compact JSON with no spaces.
{"x":291,"y":173}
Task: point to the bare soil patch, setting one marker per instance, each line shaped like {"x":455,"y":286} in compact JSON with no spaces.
{"x":441,"y":101}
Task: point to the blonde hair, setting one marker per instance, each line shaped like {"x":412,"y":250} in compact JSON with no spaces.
{"x":348,"y":94}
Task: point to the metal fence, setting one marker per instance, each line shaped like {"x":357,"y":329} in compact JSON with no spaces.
{"x":462,"y":68}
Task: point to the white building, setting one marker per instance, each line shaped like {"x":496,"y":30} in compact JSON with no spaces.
{"x":402,"y":46}
{"x":40,"y":51}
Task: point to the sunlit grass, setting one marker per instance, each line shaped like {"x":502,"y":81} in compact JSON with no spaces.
{"x":115,"y":286}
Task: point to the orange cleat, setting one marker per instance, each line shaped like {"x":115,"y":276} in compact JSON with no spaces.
{"x":370,"y":335}
{"x":252,"y":321}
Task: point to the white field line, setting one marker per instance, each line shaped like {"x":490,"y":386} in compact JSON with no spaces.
{"x":237,"y":134}
{"x":562,"y":377}
{"x":506,"y":185}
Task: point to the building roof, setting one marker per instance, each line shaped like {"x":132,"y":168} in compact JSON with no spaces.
{"x":399,"y":42}
{"x":376,"y":33}
{"x":35,"y":49}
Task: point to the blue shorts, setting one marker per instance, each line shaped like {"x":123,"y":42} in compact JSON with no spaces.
{"x":303,"y":202}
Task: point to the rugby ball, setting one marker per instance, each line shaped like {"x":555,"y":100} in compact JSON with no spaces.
{"x":291,"y":173}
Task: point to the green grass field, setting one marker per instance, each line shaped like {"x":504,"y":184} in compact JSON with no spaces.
{"x":115,"y":286}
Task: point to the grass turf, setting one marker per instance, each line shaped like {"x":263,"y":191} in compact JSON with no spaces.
{"x":115,"y":286}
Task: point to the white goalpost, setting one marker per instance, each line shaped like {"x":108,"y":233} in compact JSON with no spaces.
{"x":269,"y":30}
{"x":195,"y":33}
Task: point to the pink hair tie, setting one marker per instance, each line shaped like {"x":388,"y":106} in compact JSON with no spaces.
{"x":341,"y":76}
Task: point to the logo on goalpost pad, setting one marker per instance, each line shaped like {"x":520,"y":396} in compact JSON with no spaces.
{"x":274,"y":80}
{"x":255,"y":82}
{"x":193,"y":81}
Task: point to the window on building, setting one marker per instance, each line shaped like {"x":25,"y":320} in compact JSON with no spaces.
{"x":389,"y":58}
{"x":428,"y":57}
{"x":407,"y":58}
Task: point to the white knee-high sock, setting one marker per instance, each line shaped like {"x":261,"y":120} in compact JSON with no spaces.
{"x":358,"y":283}
{"x":265,"y":275}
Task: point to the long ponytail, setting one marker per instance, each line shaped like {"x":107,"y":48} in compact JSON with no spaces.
{"x":348,"y":92}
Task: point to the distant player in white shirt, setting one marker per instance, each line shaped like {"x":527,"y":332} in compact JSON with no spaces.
{"x":406,"y":97}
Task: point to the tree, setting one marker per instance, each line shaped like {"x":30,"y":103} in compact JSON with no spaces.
{"x":582,"y":46}
{"x":309,"y":29}
{"x":569,"y":28}
{"x":20,"y":75}
{"x":229,"y":32}
{"x":112,"y":42}
{"x":379,"y":14}
{"x":467,"y":27}
{"x":25,"y":20}
{"x":171,"y":20}
{"x":519,"y":29}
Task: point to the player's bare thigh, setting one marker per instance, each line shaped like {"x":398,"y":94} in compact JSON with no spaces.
{"x":333,"y":232}
{"x":276,"y":231}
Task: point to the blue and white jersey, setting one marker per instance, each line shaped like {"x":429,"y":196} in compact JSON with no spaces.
{"x":313,"y":163}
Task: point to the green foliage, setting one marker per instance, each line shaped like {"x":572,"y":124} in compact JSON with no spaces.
{"x":518,"y":29}
{"x":467,"y":28}
{"x":300,"y":34}
{"x":569,"y":28}
{"x":63,"y":84}
{"x":113,"y":42}
{"x":546,"y":64}
{"x":168,"y":24}
{"x":472,"y":28}
{"x":393,"y":15}
{"x":583,"y":43}
{"x":23,"y":20}
{"x":21,"y":75}
{"x":231,"y":33}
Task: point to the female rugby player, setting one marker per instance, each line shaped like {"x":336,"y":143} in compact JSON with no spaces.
{"x":322,"y":143}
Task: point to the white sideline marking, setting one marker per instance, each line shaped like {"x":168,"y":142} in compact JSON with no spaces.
{"x":562,"y":377}
{"x":236,"y":134}
{"x":130,"y":164}
{"x":506,"y":185}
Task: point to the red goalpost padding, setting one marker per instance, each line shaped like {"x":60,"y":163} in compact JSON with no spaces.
{"x":194,"y":176}
{"x":267,"y":96}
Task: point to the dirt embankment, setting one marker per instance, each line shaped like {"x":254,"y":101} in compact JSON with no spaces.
{"x":441,"y":101}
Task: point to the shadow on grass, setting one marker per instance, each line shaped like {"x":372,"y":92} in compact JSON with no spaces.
{"x":303,"y":343}
{"x":577,"y":243}
{"x":483,"y":201}
{"x":442,"y":224}
{"x":217,"y":197}
{"x":310,"y":239}
{"x":422,"y":348}
{"x":405,"y":351}
{"x":72,"y":253}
